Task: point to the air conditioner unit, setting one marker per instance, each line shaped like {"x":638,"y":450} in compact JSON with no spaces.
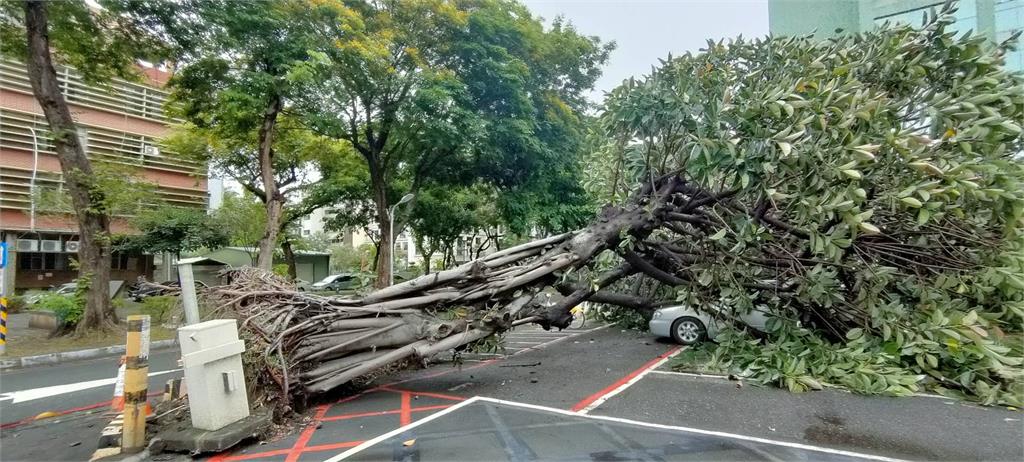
{"x":28,"y":245}
{"x":71,"y":246}
{"x":49,"y":246}
{"x":152,"y":151}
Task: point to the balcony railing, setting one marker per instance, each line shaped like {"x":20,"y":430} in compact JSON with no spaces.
{"x":101,"y":144}
{"x":118,"y":96}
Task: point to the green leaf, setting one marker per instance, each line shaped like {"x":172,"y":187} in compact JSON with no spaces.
{"x":719,"y":235}
{"x":869,"y":228}
{"x":785,"y":147}
{"x":911,"y":202}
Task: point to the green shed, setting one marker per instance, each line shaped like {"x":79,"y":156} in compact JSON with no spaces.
{"x":310,"y":266}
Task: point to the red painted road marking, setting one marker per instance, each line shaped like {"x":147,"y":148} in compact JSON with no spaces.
{"x":89,"y":407}
{"x":618,"y":383}
{"x":330,"y":446}
{"x":300,"y":444}
{"x":424,"y":393}
{"x":406,"y":415}
{"x":225,"y":458}
{"x":377,"y":413}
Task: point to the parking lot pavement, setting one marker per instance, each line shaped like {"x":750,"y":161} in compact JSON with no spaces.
{"x":920,"y":428}
{"x":526,"y":338}
{"x":585,"y":361}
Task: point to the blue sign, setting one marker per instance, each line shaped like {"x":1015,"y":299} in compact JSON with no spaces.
{"x":3,"y":254}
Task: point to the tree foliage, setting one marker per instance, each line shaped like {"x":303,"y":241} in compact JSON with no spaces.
{"x":236,"y":83}
{"x":870,"y":197}
{"x":176,"y":230}
{"x":243,"y":218}
{"x":452,"y":92}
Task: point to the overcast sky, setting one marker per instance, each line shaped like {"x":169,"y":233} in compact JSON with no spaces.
{"x":646,"y":30}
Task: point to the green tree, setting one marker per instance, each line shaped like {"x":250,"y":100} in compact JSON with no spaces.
{"x":176,"y":230}
{"x":867,"y":191}
{"x":235,"y":86}
{"x":441,"y":91}
{"x":244,"y":219}
{"x":101,"y":43}
{"x":441,"y":216}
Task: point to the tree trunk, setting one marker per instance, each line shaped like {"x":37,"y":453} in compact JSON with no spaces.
{"x":92,"y":217}
{"x":426,"y":261}
{"x":380,"y":200}
{"x":289,"y":258}
{"x":321,"y":343}
{"x":274,"y":200}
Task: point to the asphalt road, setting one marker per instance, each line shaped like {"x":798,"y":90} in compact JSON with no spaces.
{"x":918,"y":428}
{"x":564,"y":371}
{"x":31,"y":391}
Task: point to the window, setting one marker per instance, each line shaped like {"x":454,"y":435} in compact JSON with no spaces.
{"x":305,"y":232}
{"x":120,"y":261}
{"x":35,"y":261}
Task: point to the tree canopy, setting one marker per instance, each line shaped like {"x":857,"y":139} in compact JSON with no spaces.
{"x":453,"y":92}
{"x":234,"y":85}
{"x":176,"y":230}
{"x":871,"y":199}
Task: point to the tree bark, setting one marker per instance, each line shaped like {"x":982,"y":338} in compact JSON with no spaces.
{"x":426,"y":261}
{"x":289,"y":258}
{"x":93,"y":219}
{"x":274,"y":199}
{"x":380,"y":200}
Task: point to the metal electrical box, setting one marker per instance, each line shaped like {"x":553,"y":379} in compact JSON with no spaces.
{"x":211,"y":354}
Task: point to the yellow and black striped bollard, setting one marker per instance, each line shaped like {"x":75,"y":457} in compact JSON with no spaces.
{"x":3,"y":325}
{"x":135,"y":384}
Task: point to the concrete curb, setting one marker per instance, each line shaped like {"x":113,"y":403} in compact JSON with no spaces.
{"x":68,"y":356}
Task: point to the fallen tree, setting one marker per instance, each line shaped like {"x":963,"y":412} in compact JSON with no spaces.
{"x":866,"y":192}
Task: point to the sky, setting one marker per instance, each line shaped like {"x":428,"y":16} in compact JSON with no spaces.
{"x":646,"y":30}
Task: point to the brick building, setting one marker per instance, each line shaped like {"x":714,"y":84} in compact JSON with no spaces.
{"x":121,"y":123}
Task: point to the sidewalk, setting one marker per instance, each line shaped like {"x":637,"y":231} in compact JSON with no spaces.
{"x":28,"y":346}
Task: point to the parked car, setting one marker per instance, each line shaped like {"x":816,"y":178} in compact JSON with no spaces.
{"x":689,"y":327}
{"x":149,"y":289}
{"x":67,"y":288}
{"x":337,"y":283}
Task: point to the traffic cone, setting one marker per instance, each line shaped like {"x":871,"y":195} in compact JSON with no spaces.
{"x":117,"y":403}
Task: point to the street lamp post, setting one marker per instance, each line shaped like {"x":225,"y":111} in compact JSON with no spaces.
{"x":391,"y":218}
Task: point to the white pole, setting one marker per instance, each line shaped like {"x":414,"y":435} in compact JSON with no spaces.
{"x":188,"y":293}
{"x":391,"y":261}
{"x":32,"y":181}
{"x":391,"y":218}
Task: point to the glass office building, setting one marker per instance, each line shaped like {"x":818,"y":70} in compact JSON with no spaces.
{"x":996,"y":19}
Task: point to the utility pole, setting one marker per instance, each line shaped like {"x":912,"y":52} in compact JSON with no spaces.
{"x":391,"y":217}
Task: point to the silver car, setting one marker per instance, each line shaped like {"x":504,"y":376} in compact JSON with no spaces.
{"x":689,"y":327}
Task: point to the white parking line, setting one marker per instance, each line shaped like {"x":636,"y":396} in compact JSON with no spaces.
{"x":691,"y":374}
{"x":475,"y":399}
{"x":33,"y":394}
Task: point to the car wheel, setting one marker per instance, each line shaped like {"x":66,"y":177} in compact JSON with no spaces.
{"x":688,"y":331}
